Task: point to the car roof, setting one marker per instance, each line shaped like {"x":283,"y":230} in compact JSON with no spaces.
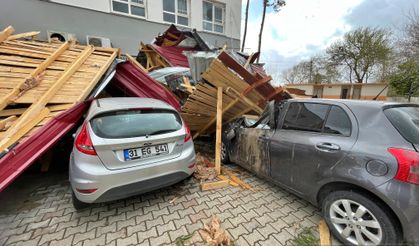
{"x":119,"y":103}
{"x":353,"y":103}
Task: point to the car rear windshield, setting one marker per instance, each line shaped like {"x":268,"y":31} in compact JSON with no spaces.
{"x":135,"y":123}
{"x":406,"y":120}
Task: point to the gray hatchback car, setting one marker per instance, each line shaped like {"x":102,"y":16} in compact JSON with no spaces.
{"x":128,"y":146}
{"x":357,"y":160}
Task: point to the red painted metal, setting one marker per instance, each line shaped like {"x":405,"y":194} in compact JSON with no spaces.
{"x":25,"y":153}
{"x":173,"y":54}
{"x":136,"y":83}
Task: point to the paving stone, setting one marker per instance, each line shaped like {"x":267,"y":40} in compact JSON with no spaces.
{"x":75,"y":230}
{"x":28,"y":242}
{"x":198,"y":216}
{"x":115,"y":235}
{"x":161,"y":229}
{"x":53,"y":236}
{"x":132,"y":240}
{"x":160,"y":212}
{"x":241,"y":242}
{"x":53,"y":214}
{"x":269,"y":242}
{"x":7,"y":232}
{"x":136,"y":228}
{"x":144,"y":218}
{"x":254,"y":236}
{"x":191,"y":228}
{"x":107,"y":213}
{"x":174,"y":234}
{"x":62,"y":242}
{"x":106,"y":229}
{"x":283,"y":236}
{"x":101,"y":240}
{"x":125,"y":223}
{"x":118,"y":217}
{"x":56,"y":220}
{"x":83,"y":236}
{"x":238,"y":231}
{"x":251,"y":225}
{"x":264,"y":219}
{"x":162,"y":239}
{"x":144,"y":235}
{"x":181,"y":222}
{"x":20,"y":237}
{"x":267,"y":230}
{"x":153,"y":223}
{"x":44,"y":230}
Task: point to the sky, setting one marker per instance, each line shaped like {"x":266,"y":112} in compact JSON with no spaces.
{"x":304,"y":28}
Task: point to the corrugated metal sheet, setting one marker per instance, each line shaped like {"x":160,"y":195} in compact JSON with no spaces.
{"x":173,"y":55}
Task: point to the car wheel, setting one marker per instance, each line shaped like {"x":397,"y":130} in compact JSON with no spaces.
{"x":224,"y":153}
{"x":356,"y":219}
{"x":77,"y":204}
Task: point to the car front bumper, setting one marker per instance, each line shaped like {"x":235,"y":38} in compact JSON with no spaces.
{"x":88,"y":172}
{"x":403,"y":199}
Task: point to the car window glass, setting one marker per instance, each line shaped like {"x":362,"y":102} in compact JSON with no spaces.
{"x":406,"y":120}
{"x":135,"y":123}
{"x":338,"y":122}
{"x":305,"y":116}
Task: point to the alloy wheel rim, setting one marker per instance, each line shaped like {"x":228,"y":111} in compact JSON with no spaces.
{"x":223,"y":151}
{"x":355,"y":223}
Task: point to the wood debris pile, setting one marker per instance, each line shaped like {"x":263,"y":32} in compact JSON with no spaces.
{"x":39,"y":80}
{"x":204,"y":169}
{"x":214,"y":235}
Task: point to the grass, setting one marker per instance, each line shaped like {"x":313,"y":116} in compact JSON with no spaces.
{"x":306,"y":238}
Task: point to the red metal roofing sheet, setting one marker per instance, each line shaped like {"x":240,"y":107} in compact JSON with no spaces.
{"x":173,"y":54}
{"x":26,"y":152}
{"x":135,"y":82}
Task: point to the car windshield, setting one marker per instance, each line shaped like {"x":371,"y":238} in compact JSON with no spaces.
{"x":135,"y":123}
{"x":406,"y":120}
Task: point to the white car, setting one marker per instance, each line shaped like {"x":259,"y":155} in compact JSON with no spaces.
{"x":128,"y":146}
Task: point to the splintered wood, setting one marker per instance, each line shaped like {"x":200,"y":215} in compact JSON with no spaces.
{"x":39,"y":80}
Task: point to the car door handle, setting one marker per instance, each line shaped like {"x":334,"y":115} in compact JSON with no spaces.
{"x":327,"y":147}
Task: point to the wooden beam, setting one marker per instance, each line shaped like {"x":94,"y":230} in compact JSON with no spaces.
{"x":257,"y":84}
{"x":4,"y":122}
{"x":23,"y":35}
{"x":324,"y":234}
{"x":274,"y":93}
{"x":5,"y":143}
{"x":232,"y":92}
{"x":222,"y":177}
{"x":39,"y":106}
{"x":214,"y":185}
{"x":19,"y":111}
{"x":135,"y":62}
{"x":6,"y":33}
{"x":237,"y":180}
{"x":218,"y":130}
{"x":40,"y":68}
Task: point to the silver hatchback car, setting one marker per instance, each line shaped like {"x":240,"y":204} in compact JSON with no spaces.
{"x":129,"y":146}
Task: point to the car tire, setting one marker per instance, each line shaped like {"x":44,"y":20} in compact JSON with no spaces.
{"x":353,"y":217}
{"x":224,"y":153}
{"x":77,"y":204}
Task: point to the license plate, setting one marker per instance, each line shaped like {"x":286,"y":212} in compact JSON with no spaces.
{"x":145,"y":152}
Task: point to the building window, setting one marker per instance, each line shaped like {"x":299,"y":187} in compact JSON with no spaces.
{"x":176,"y":11}
{"x":131,"y":7}
{"x":213,"y":17}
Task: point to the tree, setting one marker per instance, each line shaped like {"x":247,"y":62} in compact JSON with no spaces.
{"x":361,"y":50}
{"x":245,"y":24}
{"x":406,"y":80}
{"x":410,"y":41}
{"x":276,"y":5}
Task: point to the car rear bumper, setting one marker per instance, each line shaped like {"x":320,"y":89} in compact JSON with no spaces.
{"x":403,"y":198}
{"x":89,"y":173}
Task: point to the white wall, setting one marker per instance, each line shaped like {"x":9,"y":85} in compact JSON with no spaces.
{"x":154,"y":12}
{"x":99,"y":5}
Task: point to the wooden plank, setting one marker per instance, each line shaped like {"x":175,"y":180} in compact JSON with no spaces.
{"x":214,"y":185}
{"x":97,"y":77}
{"x":4,"y":122}
{"x":222,"y":177}
{"x":19,"y":111}
{"x":135,"y":62}
{"x":324,"y":232}
{"x":5,"y":34}
{"x":218,"y":130}
{"x":6,"y":142}
{"x":236,"y":179}
{"x":39,"y":105}
{"x":23,"y":35}
{"x":41,"y":67}
{"x":243,"y":98}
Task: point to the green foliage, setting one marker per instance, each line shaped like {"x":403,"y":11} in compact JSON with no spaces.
{"x":180,"y":241}
{"x":360,"y":51}
{"x":405,"y":81}
{"x":306,"y":238}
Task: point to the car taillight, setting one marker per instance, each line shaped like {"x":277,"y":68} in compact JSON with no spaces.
{"x":83,"y":142}
{"x":188,"y":135}
{"x":86,"y":191}
{"x":408,"y":161}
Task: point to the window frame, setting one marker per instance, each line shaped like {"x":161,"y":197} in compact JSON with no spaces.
{"x":322,"y":132}
{"x":176,"y":13}
{"x":213,"y":22}
{"x":129,"y":3}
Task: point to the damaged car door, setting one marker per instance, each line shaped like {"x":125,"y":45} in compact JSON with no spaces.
{"x":310,"y":141}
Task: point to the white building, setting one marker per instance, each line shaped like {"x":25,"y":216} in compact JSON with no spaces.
{"x":125,"y":22}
